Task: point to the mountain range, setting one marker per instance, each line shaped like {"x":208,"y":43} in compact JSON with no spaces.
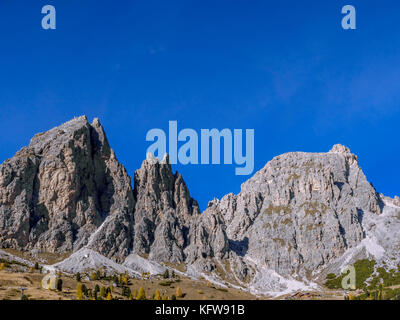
{"x":302,"y":216}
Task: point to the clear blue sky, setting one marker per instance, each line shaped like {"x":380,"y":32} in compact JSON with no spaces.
{"x":285,"y":68}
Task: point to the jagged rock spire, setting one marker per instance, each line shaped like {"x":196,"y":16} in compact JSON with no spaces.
{"x":163,"y":212}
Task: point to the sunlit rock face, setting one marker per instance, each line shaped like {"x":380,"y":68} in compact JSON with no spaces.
{"x":57,"y":191}
{"x":299,"y":212}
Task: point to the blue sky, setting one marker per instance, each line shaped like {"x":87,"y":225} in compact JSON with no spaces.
{"x":285,"y":68}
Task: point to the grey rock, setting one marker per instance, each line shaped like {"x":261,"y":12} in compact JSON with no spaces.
{"x":163,"y":213}
{"x":57,"y":191}
{"x":396,"y":201}
{"x":299,"y":212}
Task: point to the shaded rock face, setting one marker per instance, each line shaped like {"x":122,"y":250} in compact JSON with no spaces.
{"x":299,"y":212}
{"x":58,"y":190}
{"x":208,"y":241}
{"x":164,"y":212}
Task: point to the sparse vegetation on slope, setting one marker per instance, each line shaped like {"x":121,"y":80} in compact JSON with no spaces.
{"x":364,"y":270}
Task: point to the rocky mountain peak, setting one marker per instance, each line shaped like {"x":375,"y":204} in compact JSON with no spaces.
{"x":339,"y":148}
{"x":299,"y":212}
{"x":163,"y":211}
{"x":58,"y":190}
{"x":150,"y":159}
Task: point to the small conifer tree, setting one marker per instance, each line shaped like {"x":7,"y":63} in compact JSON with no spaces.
{"x":128,"y":292}
{"x":141,"y":295}
{"x":157,"y":295}
{"x":84,"y":290}
{"x":166,"y":274}
{"x":115,"y":279}
{"x":124,"y":280}
{"x":94,"y":276}
{"x":179,"y":293}
{"x":79,"y":291}
{"x":97,"y":288}
{"x":59,"y":284}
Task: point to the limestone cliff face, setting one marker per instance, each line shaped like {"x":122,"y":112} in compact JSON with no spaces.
{"x":299,"y":212}
{"x":58,"y":190}
{"x":208,"y":240}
